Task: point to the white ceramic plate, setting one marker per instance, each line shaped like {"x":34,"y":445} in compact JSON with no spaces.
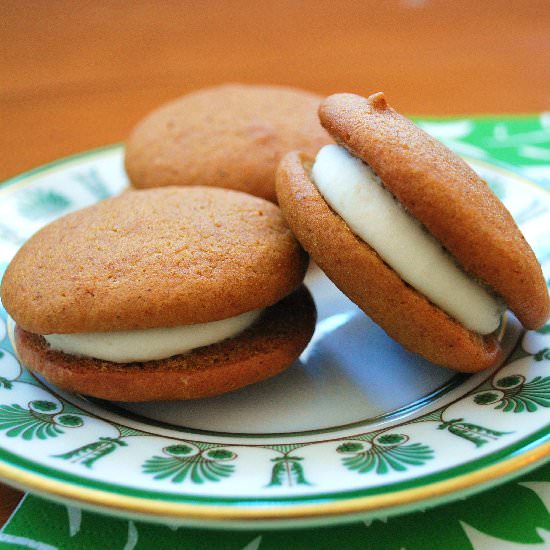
{"x":357,"y":428}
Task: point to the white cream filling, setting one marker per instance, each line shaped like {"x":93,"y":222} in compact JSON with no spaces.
{"x":354,"y":191}
{"x":150,"y":344}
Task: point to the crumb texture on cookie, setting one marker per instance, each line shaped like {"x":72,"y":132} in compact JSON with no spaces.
{"x":262,"y":351}
{"x":360,"y":273}
{"x":155,"y":258}
{"x":229,"y":136}
{"x":441,"y":191}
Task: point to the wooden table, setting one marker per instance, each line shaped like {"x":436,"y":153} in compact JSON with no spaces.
{"x":77,"y":75}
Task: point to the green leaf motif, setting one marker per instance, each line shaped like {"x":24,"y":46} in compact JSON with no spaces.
{"x":34,"y":422}
{"x":42,"y":203}
{"x":350,"y":447}
{"x":478,"y":435}
{"x":87,"y":455}
{"x":5,"y":383}
{"x":544,"y":330}
{"x":44,"y":406}
{"x":69,"y":420}
{"x":542,"y":354}
{"x":386,"y":453}
{"x":93,"y":182}
{"x":514,"y":394}
{"x":486,"y":398}
{"x":288,"y":471}
{"x":184,"y":462}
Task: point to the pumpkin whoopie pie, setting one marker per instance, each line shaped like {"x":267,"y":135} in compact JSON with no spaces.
{"x":230,"y":136}
{"x":411,"y":234}
{"x":173,"y":293}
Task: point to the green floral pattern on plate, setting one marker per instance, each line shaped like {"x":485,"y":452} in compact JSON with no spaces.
{"x":288,"y":469}
{"x":42,"y":203}
{"x":183,"y":462}
{"x":383,"y":454}
{"x":513,"y":394}
{"x":40,"y":420}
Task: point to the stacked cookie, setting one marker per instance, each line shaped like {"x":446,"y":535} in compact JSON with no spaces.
{"x":172,"y":293}
{"x":411,"y":234}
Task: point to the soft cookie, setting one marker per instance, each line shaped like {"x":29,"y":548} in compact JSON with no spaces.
{"x":229,"y":136}
{"x":411,"y":234}
{"x":173,"y":293}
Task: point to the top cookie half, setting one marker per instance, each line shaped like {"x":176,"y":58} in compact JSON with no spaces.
{"x":441,"y":191}
{"x":155,"y":258}
{"x":229,"y":136}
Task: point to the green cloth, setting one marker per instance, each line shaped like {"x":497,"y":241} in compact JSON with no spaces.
{"x":513,"y":512}
{"x":512,"y":515}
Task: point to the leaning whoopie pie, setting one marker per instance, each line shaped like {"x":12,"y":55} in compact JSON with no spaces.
{"x":411,"y":234}
{"x":173,"y":293}
{"x":230,"y":136}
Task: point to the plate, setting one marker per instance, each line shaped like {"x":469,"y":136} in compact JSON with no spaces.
{"x":358,"y":428}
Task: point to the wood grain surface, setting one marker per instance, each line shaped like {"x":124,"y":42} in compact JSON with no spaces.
{"x":79,"y":74}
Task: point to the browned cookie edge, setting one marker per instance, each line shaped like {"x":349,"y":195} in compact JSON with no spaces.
{"x":406,"y":315}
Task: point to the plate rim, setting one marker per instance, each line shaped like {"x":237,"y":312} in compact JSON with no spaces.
{"x":23,"y":177}
{"x":393,"y":502}
{"x":326,"y":505}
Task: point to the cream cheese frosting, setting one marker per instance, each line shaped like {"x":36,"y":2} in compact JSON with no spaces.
{"x":150,"y":344}
{"x":356,"y":193}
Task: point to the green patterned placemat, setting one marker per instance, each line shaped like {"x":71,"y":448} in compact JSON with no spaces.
{"x":514,"y":515}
